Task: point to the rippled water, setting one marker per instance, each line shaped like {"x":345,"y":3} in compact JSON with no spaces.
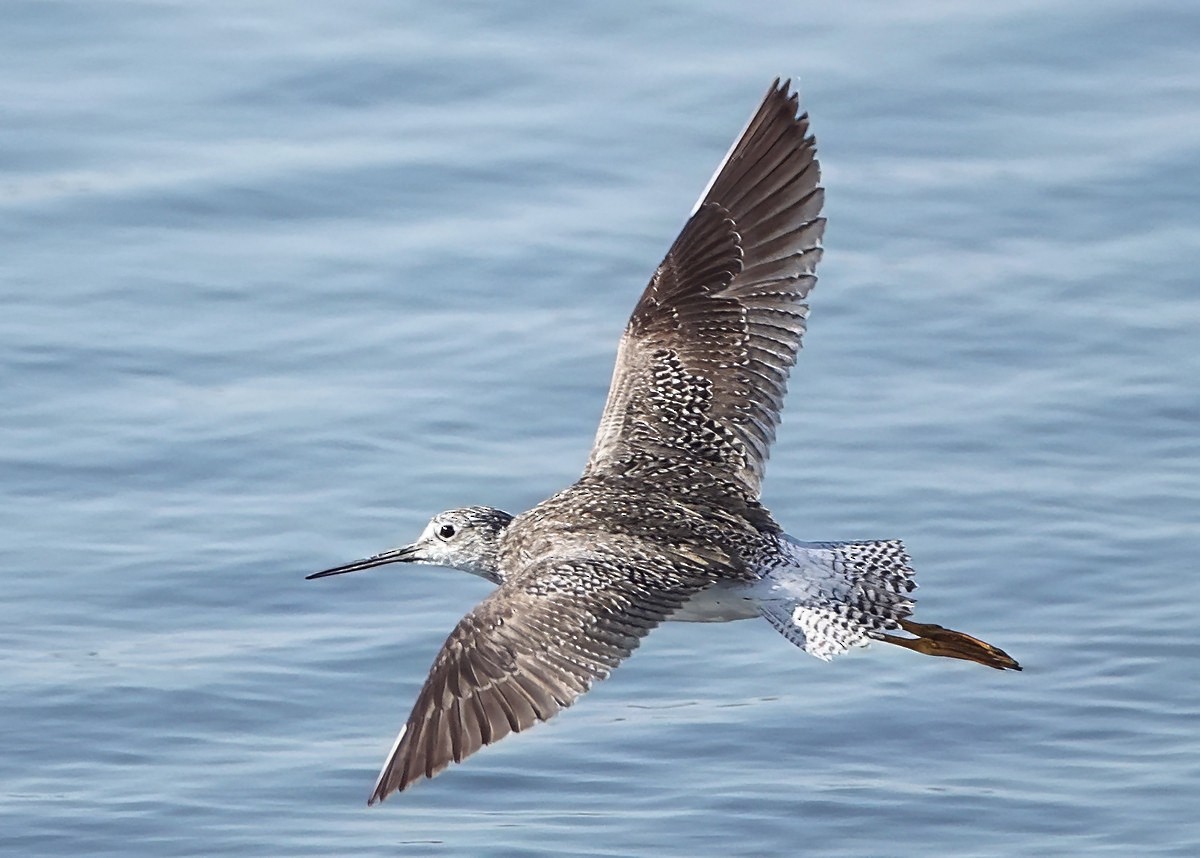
{"x":279,"y":282}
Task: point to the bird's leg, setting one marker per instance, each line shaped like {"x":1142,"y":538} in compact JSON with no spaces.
{"x":936,"y":640}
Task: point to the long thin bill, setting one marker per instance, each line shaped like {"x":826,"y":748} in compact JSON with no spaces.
{"x":396,"y":555}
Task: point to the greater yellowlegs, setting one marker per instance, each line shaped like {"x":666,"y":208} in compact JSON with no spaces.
{"x":665,"y":522}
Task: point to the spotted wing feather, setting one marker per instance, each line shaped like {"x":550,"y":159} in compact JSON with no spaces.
{"x":525,"y":653}
{"x":703,"y":365}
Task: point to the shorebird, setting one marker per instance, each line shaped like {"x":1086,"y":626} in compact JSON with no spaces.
{"x":666,"y":523}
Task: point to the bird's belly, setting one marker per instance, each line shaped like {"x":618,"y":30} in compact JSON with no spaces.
{"x":720,"y":603}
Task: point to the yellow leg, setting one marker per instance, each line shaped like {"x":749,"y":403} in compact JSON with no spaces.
{"x":935,"y":640}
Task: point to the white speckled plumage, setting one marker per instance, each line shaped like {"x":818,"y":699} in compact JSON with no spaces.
{"x":665,"y":522}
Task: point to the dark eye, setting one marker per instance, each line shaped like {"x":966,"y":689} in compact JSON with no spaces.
{"x":446,"y":531}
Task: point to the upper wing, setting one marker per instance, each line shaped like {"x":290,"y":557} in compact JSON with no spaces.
{"x":526,"y":652}
{"x":702,"y":368}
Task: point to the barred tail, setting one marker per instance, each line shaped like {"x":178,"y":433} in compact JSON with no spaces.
{"x":829,"y":596}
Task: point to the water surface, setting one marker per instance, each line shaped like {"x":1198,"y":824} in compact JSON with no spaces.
{"x":280,"y":282}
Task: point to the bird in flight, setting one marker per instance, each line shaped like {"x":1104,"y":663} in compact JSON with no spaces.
{"x":665,"y":523}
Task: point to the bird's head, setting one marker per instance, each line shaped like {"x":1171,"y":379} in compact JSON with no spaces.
{"x":466,"y":539}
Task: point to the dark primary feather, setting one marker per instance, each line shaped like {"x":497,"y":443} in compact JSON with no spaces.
{"x":528,"y":651}
{"x":702,"y":368}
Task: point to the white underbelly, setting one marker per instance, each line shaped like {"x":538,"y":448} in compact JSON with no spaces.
{"x":825,"y":597}
{"x":720,"y":603}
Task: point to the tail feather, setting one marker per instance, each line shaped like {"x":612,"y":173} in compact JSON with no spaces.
{"x":830,"y":596}
{"x":936,"y":640}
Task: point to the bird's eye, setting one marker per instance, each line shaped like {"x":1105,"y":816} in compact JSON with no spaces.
{"x":446,"y":531}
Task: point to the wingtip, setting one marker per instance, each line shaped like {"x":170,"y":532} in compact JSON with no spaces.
{"x":380,"y":793}
{"x":781,"y":87}
{"x":382,"y":789}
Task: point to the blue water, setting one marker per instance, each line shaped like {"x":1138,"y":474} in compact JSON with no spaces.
{"x":278,"y":281}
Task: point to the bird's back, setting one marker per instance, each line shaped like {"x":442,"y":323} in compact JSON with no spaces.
{"x":704,"y":526}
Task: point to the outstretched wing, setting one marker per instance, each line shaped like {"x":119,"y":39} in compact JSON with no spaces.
{"x":702,"y":368}
{"x":526,"y":652}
